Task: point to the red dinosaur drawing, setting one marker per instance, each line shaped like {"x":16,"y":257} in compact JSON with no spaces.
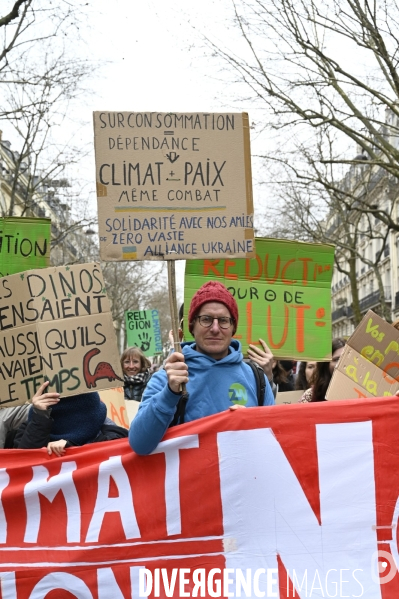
{"x":103,"y":370}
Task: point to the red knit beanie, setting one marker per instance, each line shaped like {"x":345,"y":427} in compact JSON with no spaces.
{"x":212,"y":291}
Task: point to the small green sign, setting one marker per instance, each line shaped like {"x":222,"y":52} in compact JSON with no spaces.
{"x":24,"y":244}
{"x":283,"y":295}
{"x":144,"y":331}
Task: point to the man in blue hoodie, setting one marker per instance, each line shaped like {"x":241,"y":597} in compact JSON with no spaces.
{"x":212,"y":367}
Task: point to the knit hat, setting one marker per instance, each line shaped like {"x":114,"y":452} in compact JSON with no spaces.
{"x":78,"y":419}
{"x":212,"y":291}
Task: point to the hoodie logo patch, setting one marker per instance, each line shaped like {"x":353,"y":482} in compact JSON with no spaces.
{"x":238,"y":394}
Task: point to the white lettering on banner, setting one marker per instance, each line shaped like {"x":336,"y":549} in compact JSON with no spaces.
{"x":107,"y":585}
{"x":267,"y":513}
{"x":123,"y":503}
{"x":171,"y":449}
{"x":49,"y":487}
{"x":393,"y":545}
{"x":4,"y":480}
{"x":64,"y":582}
{"x":7,"y":585}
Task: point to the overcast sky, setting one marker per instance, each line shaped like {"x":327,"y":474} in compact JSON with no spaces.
{"x":152,"y":57}
{"x":153,"y":61}
{"x":148,"y":46}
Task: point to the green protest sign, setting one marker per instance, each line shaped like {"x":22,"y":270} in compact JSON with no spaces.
{"x":24,"y":244}
{"x":283,"y":295}
{"x":144,"y":331}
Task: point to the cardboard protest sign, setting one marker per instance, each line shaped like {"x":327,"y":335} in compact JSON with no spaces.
{"x":56,"y":325}
{"x":288,"y":397}
{"x":369,"y":365}
{"x":173,"y":186}
{"x":283,"y":295}
{"x":286,"y":501}
{"x":24,"y":244}
{"x":131,"y":407}
{"x":120,"y":410}
{"x":144,"y":331}
{"x":114,"y":399}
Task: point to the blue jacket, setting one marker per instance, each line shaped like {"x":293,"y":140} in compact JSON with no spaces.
{"x":214,"y":386}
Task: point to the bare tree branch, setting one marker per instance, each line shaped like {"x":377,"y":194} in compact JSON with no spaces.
{"x":14,"y":13}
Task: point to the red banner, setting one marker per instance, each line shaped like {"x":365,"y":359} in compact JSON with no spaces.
{"x":297,"y":500}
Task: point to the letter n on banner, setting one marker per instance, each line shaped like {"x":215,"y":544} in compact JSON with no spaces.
{"x":304,"y":544}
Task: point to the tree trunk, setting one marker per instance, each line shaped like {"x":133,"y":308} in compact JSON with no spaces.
{"x":355,"y":292}
{"x":385,"y":310}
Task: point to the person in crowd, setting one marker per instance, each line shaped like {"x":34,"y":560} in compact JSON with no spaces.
{"x":288,"y":367}
{"x":281,"y":376}
{"x":304,"y":376}
{"x":10,"y":421}
{"x":323,"y":373}
{"x":58,"y":423}
{"x":136,"y":371}
{"x":212,"y":367}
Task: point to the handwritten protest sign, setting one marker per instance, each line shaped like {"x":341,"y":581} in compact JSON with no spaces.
{"x":56,"y":325}
{"x":114,"y":399}
{"x":173,"y":185}
{"x":283,"y":295}
{"x":120,"y":410}
{"x":143,"y":330}
{"x":288,"y":397}
{"x":131,"y":407}
{"x":24,"y":244}
{"x":369,"y":365}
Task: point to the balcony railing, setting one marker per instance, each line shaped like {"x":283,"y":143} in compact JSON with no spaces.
{"x":373,"y":299}
{"x":343,"y":312}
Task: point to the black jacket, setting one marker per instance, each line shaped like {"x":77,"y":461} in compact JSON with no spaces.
{"x":35,"y":433}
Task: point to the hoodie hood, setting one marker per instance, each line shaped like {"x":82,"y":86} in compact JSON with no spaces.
{"x":198,"y":360}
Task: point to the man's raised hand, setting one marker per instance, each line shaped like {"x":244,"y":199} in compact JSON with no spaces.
{"x":177,"y":371}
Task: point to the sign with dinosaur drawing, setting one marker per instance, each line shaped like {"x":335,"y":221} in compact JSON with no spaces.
{"x":56,"y":325}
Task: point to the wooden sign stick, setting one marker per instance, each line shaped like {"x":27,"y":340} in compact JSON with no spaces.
{"x":173,"y":309}
{"x":173,"y":304}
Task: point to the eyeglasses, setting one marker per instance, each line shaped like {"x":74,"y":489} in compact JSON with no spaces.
{"x":206,"y":321}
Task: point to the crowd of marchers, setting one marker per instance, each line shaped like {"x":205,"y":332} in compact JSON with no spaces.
{"x":205,"y":376}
